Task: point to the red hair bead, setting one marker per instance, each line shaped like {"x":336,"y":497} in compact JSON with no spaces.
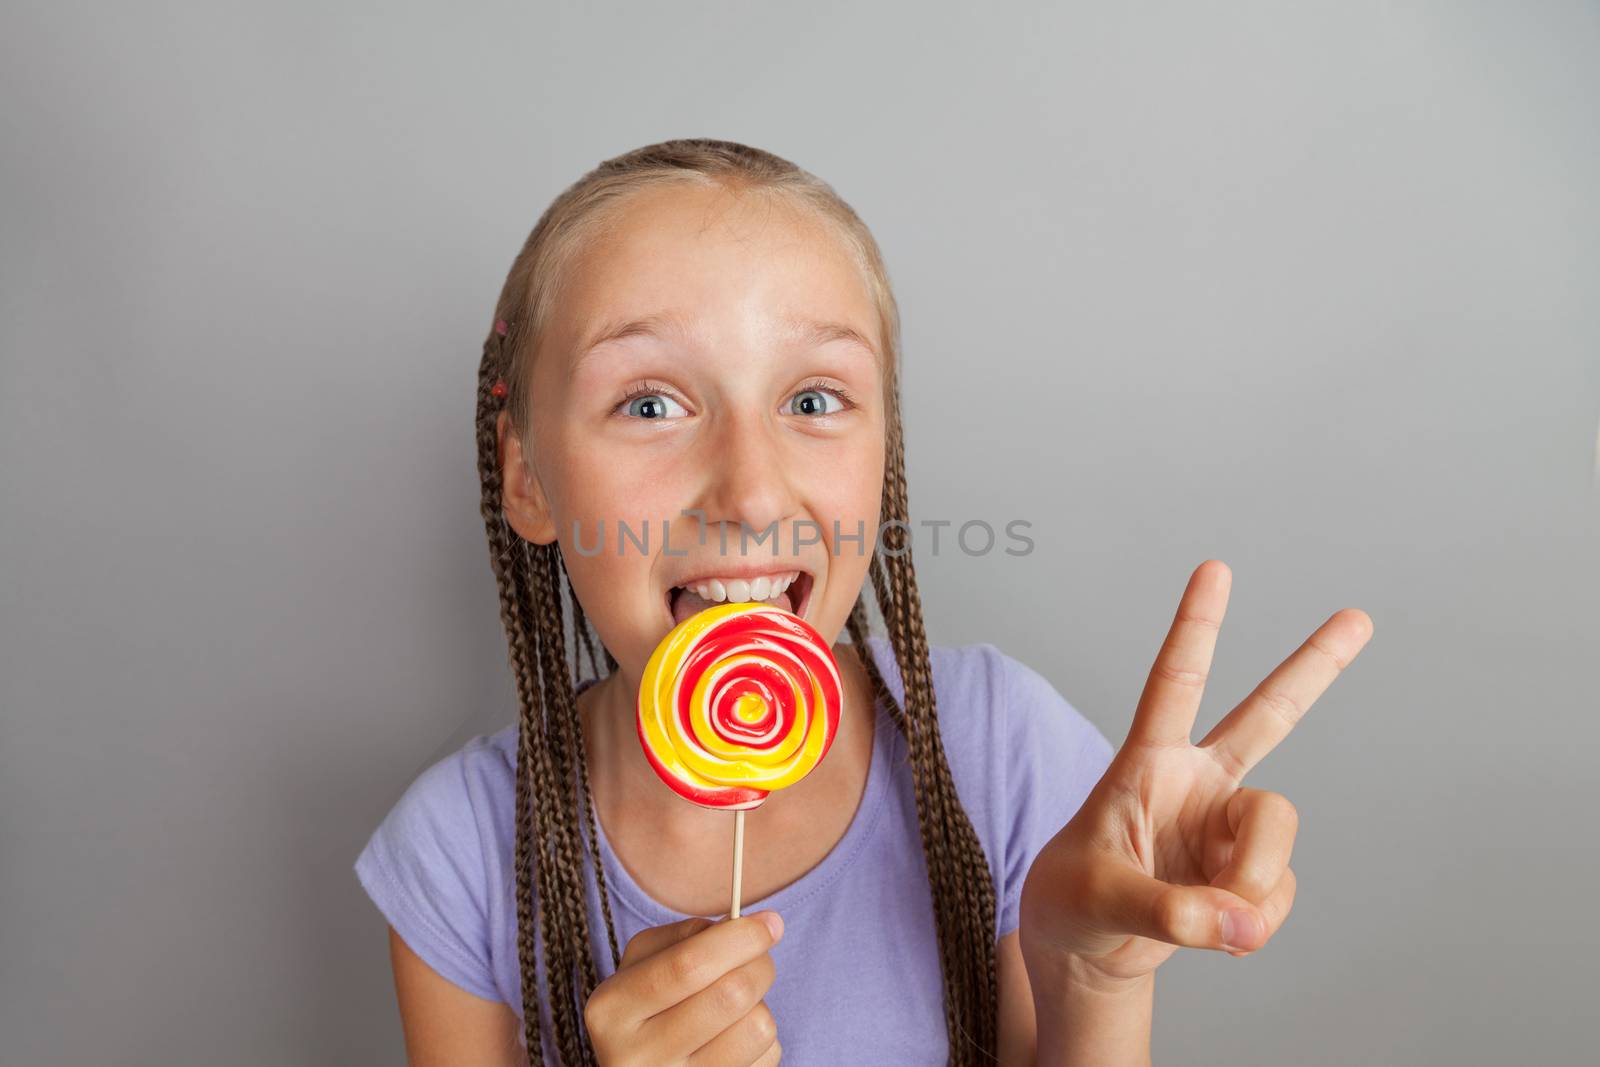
{"x":498,"y":389}
{"x":500,"y":327}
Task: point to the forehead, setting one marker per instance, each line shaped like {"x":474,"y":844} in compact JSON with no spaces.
{"x":710,"y":257}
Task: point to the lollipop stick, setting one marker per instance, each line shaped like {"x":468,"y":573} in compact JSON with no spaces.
{"x":738,"y":857}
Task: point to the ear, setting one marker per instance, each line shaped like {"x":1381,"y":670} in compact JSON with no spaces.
{"x":521,"y":496}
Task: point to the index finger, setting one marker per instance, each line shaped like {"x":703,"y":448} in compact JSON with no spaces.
{"x":1171,"y":697}
{"x":681,"y":970}
{"x":653,"y":939}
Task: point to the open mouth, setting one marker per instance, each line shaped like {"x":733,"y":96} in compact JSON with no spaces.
{"x":793,"y":592}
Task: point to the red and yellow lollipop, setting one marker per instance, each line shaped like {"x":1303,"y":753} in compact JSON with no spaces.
{"x":736,"y":701}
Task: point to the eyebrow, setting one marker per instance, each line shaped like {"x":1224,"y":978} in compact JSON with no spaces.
{"x":669,"y":323}
{"x":820,"y":333}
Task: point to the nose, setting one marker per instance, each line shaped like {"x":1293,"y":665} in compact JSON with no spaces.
{"x":747,"y":482}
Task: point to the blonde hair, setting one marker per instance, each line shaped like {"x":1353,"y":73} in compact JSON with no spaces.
{"x":553,"y":798}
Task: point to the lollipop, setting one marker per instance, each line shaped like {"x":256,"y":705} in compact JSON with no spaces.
{"x":736,"y":701}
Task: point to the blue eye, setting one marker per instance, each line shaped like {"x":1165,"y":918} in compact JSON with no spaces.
{"x":653,"y":406}
{"x":813,"y":402}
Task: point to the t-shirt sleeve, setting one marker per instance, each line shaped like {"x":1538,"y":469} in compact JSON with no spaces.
{"x":424,"y":868}
{"x":1053,"y":758}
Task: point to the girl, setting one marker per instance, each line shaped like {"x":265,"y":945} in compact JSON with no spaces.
{"x":699,"y":330}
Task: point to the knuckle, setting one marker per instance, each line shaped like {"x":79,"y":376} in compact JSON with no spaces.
{"x":1282,"y":705}
{"x":1225,"y":757}
{"x":762,"y":1024}
{"x":1172,"y":915}
{"x":1332,"y":657}
{"x":1167,"y":672}
{"x":1285,"y":810}
{"x":686,"y":968}
{"x":1168,"y":914}
{"x":735,"y":991}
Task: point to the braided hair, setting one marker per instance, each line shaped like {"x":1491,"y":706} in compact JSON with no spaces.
{"x":552,"y":792}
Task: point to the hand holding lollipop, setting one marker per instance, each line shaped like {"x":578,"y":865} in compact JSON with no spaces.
{"x":736,"y":701}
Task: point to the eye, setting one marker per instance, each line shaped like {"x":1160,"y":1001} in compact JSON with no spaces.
{"x":652,"y":403}
{"x":815,"y":399}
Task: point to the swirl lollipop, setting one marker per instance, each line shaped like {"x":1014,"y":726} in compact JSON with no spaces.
{"x":736,"y":701}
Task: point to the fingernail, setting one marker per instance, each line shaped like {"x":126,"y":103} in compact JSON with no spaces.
{"x":774,"y":924}
{"x":1238,"y":927}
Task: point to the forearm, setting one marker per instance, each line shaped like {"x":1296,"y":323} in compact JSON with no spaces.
{"x":1083,"y":1021}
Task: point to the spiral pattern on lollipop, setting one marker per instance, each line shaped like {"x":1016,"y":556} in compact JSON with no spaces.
{"x":736,"y":701}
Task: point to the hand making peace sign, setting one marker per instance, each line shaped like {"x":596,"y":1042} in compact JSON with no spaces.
{"x":1168,"y":849}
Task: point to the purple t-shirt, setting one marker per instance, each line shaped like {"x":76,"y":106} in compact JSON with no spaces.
{"x":858,"y":968}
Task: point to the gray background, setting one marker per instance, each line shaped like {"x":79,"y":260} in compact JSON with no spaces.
{"x":1308,"y":288}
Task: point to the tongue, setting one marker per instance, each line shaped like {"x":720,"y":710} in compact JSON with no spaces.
{"x":688,"y":603}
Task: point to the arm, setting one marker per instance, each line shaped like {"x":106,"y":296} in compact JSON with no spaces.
{"x":1084,"y":1021}
{"x":1017,"y":1030}
{"x":1068,"y":1019}
{"x":444,"y":1024}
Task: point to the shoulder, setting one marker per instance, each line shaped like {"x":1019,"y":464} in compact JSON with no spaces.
{"x":1022,"y":757}
{"x":1041,"y":741}
{"x":1050,"y":756}
{"x":452,"y":808}
{"x":991,"y":701}
{"x":1036,"y":713}
{"x":433,"y":862}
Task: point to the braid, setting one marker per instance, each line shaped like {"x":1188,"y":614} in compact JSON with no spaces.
{"x":581,"y":625}
{"x":958,"y":871}
{"x":553,"y":797}
{"x":552,"y":773}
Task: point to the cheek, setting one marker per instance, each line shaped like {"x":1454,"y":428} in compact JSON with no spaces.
{"x":850,"y":494}
{"x":853,"y":483}
{"x":593,"y":483}
{"x":597,"y":491}
{"x":593,"y":492}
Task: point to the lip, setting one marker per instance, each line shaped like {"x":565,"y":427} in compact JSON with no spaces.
{"x":805,"y":583}
{"x":746,"y":571}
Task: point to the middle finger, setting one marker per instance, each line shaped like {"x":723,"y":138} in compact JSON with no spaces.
{"x":700,"y":1018}
{"x":1265,"y":717}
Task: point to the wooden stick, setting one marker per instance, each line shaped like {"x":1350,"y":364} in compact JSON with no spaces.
{"x":738,"y":857}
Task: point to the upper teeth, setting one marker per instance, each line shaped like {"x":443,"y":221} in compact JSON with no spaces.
{"x":739,"y":589}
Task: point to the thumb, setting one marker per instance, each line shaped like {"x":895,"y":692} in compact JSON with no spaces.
{"x":646,"y":943}
{"x":1195,"y":916}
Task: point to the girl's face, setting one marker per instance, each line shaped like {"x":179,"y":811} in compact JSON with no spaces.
{"x":716,"y":353}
